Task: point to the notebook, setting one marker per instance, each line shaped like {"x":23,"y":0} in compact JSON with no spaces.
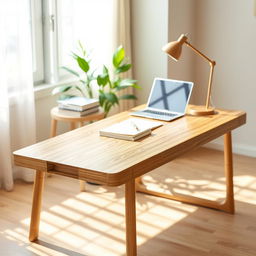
{"x":130,"y":129}
{"x":167,"y":101}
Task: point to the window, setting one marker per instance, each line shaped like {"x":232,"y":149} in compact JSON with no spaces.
{"x":58,"y":25}
{"x":37,"y":40}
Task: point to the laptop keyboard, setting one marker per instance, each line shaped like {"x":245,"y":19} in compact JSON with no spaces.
{"x":155,"y":114}
{"x":158,"y":112}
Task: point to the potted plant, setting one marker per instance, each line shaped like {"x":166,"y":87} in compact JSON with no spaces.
{"x":108,"y":86}
{"x":85,"y":80}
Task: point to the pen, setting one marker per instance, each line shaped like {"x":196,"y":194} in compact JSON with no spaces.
{"x":135,"y":126}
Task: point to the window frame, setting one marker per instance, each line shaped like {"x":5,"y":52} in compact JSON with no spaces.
{"x":36,"y":22}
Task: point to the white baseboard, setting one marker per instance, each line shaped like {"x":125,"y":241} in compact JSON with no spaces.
{"x":239,"y":149}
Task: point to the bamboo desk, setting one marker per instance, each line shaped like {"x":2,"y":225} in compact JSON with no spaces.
{"x":84,"y":155}
{"x":57,"y":116}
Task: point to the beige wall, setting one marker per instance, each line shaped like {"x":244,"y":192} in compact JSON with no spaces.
{"x":44,"y":103}
{"x":149,"y":34}
{"x":181,"y":21}
{"x":226,"y":31}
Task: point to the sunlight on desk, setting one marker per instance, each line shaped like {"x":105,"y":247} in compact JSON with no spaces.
{"x":92,"y":223}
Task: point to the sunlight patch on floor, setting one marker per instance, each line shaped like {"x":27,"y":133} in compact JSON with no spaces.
{"x":97,"y":224}
{"x":93,"y":222}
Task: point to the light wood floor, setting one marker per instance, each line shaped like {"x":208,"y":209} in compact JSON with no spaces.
{"x":92,"y":223}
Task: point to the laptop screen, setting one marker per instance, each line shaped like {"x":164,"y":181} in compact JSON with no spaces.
{"x":170,"y":95}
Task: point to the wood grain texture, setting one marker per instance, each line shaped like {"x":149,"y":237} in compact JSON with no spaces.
{"x":130,"y":217}
{"x":229,"y":204}
{"x":56,"y":116}
{"x":36,"y":206}
{"x":83,"y":154}
{"x":226,"y":205}
{"x":53,"y":131}
{"x":93,"y":224}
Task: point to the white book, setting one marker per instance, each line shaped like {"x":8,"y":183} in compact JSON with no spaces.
{"x":72,"y":113}
{"x":78,"y":103}
{"x":130,"y":129}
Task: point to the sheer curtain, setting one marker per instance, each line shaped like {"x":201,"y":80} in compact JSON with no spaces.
{"x":123,"y":37}
{"x":17,"y":111}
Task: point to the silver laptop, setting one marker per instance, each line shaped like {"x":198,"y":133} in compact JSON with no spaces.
{"x":168,"y":100}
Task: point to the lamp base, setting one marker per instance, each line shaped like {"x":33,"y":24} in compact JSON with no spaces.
{"x":201,"y":111}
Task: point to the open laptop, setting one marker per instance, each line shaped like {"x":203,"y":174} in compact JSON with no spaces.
{"x":168,"y":100}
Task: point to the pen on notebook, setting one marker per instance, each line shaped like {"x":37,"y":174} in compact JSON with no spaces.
{"x":135,"y":126}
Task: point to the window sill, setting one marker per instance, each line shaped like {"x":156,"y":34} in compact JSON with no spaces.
{"x":45,"y":90}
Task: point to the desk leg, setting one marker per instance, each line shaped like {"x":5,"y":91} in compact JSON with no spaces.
{"x":36,"y":206}
{"x":130,"y":216}
{"x":72,"y":125}
{"x":226,"y":206}
{"x":53,"y":133}
{"x":82,"y":182}
{"x":53,"y":128}
{"x":229,"y":204}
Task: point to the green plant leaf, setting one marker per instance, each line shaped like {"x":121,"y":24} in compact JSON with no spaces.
{"x":70,"y":71}
{"x":103,"y":78}
{"x":107,"y":107}
{"x":102,"y":98}
{"x":119,"y":88}
{"x":118,"y":56}
{"x":123,"y":68}
{"x":130,"y":82}
{"x":105,"y":70}
{"x":61,"y":89}
{"x":83,"y":64}
{"x":74,"y":55}
{"x":112,"y":98}
{"x":81,"y":47}
{"x":91,"y":76}
{"x":116,"y":82}
{"x":128,"y":97}
{"x":136,"y":86}
{"x":127,"y":82}
{"x":79,"y":89}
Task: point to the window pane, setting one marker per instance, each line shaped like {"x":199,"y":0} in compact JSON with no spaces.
{"x":37,"y":40}
{"x":91,"y":22}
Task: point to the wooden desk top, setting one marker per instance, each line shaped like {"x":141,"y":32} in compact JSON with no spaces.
{"x":83,"y":154}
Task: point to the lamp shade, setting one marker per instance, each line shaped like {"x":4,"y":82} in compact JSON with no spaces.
{"x":174,"y":49}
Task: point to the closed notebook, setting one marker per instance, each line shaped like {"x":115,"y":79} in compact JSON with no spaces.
{"x":78,"y":103}
{"x":72,"y":113}
{"x":130,"y":129}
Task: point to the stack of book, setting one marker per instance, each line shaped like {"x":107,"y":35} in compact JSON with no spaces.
{"x":78,"y":106}
{"x":130,"y":129}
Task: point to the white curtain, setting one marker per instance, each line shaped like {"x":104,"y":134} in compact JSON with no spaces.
{"x":17,"y":111}
{"x":123,"y":37}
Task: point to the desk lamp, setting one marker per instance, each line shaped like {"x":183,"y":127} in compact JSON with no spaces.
{"x":174,"y":49}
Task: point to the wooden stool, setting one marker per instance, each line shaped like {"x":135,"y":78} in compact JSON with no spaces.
{"x":56,"y":116}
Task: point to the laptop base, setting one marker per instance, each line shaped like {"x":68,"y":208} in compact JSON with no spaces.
{"x":162,"y":117}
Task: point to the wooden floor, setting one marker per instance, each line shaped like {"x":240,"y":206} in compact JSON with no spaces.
{"x":92,"y":222}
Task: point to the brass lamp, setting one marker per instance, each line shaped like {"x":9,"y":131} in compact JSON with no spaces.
{"x":174,"y":49}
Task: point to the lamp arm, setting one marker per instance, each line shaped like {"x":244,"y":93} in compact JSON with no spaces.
{"x":198,"y":52}
{"x":212,"y":64}
{"x":208,"y":98}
